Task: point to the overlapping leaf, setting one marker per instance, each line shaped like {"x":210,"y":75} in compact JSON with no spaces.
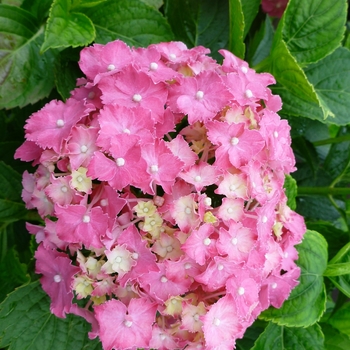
{"x":25,"y":74}
{"x":27,"y":323}
{"x":132,"y":21}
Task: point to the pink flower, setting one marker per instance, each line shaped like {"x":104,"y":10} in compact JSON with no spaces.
{"x":221,"y":324}
{"x":49,"y":127}
{"x":124,"y":327}
{"x":57,"y":277}
{"x":200,"y":97}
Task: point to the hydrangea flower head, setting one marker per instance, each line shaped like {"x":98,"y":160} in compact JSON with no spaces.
{"x":160,"y":182}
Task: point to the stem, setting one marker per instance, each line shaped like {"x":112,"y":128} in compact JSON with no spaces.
{"x":323,"y":191}
{"x":332,"y":140}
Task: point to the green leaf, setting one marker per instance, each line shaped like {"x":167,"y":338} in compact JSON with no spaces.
{"x":251,"y":334}
{"x":25,"y":75}
{"x":250,"y":10}
{"x":199,"y":22}
{"x":11,"y":205}
{"x":314,"y":28}
{"x":27,"y":323}
{"x":342,"y":282}
{"x":291,"y":189}
{"x":38,"y":8}
{"x":65,"y":28}
{"x":341,"y":319}
{"x":334,"y":340}
{"x":338,"y":158}
{"x":280,"y":337}
{"x":10,"y":183}
{"x":337,"y":269}
{"x":132,"y":21}
{"x":79,"y":4}
{"x":236,"y":39}
{"x":307,"y":301}
{"x":66,"y":72}
{"x":331,"y":80}
{"x":260,"y":47}
{"x":12,"y":273}
{"x":154,"y":3}
{"x":335,"y":238}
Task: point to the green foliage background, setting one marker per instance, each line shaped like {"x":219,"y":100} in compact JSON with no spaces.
{"x":308,"y":53}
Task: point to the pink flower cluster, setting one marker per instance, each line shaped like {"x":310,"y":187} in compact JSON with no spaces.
{"x":160,"y":181}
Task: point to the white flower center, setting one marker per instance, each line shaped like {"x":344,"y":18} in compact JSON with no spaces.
{"x":274,"y":285}
{"x":135,"y":256}
{"x":137,"y":98}
{"x":120,"y":161}
{"x":154,"y":168}
{"x":216,"y":322}
{"x":57,"y":278}
{"x":234,"y":141}
{"x":111,"y":67}
{"x":199,"y":95}
{"x":60,"y":123}
{"x":197,"y":178}
{"x":164,"y":279}
{"x":241,"y":291}
{"x":83,"y":149}
{"x":275,"y":134}
{"x":264,"y":219}
{"x":64,"y":189}
{"x":80,"y":178}
{"x":187,"y":266}
{"x":172,"y":56}
{"x":126,"y":131}
{"x":196,"y":317}
{"x":248,"y":93}
{"x":244,"y":70}
{"x":234,"y":240}
{"x":188,"y":210}
{"x":104,"y":202}
{"x":86,"y":219}
{"x":128,"y":323}
{"x":220,"y":267}
{"x":153,"y":66}
{"x":169,"y":248}
{"x":207,"y":241}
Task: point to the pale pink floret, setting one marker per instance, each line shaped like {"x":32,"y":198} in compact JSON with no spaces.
{"x":221,"y":325}
{"x":51,"y":126}
{"x":57,"y":277}
{"x":124,"y":327}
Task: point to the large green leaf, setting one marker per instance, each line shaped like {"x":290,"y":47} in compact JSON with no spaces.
{"x":236,"y":38}
{"x":25,"y":74}
{"x":11,"y":205}
{"x":26,"y":323}
{"x":307,"y":301}
{"x":280,"y":338}
{"x":65,"y":28}
{"x":314,"y":28}
{"x":250,"y":9}
{"x":335,"y":340}
{"x":132,"y":21}
{"x":199,"y":22}
{"x":331,"y":80}
{"x":341,"y":319}
{"x":260,"y":46}
{"x":12,"y":273}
